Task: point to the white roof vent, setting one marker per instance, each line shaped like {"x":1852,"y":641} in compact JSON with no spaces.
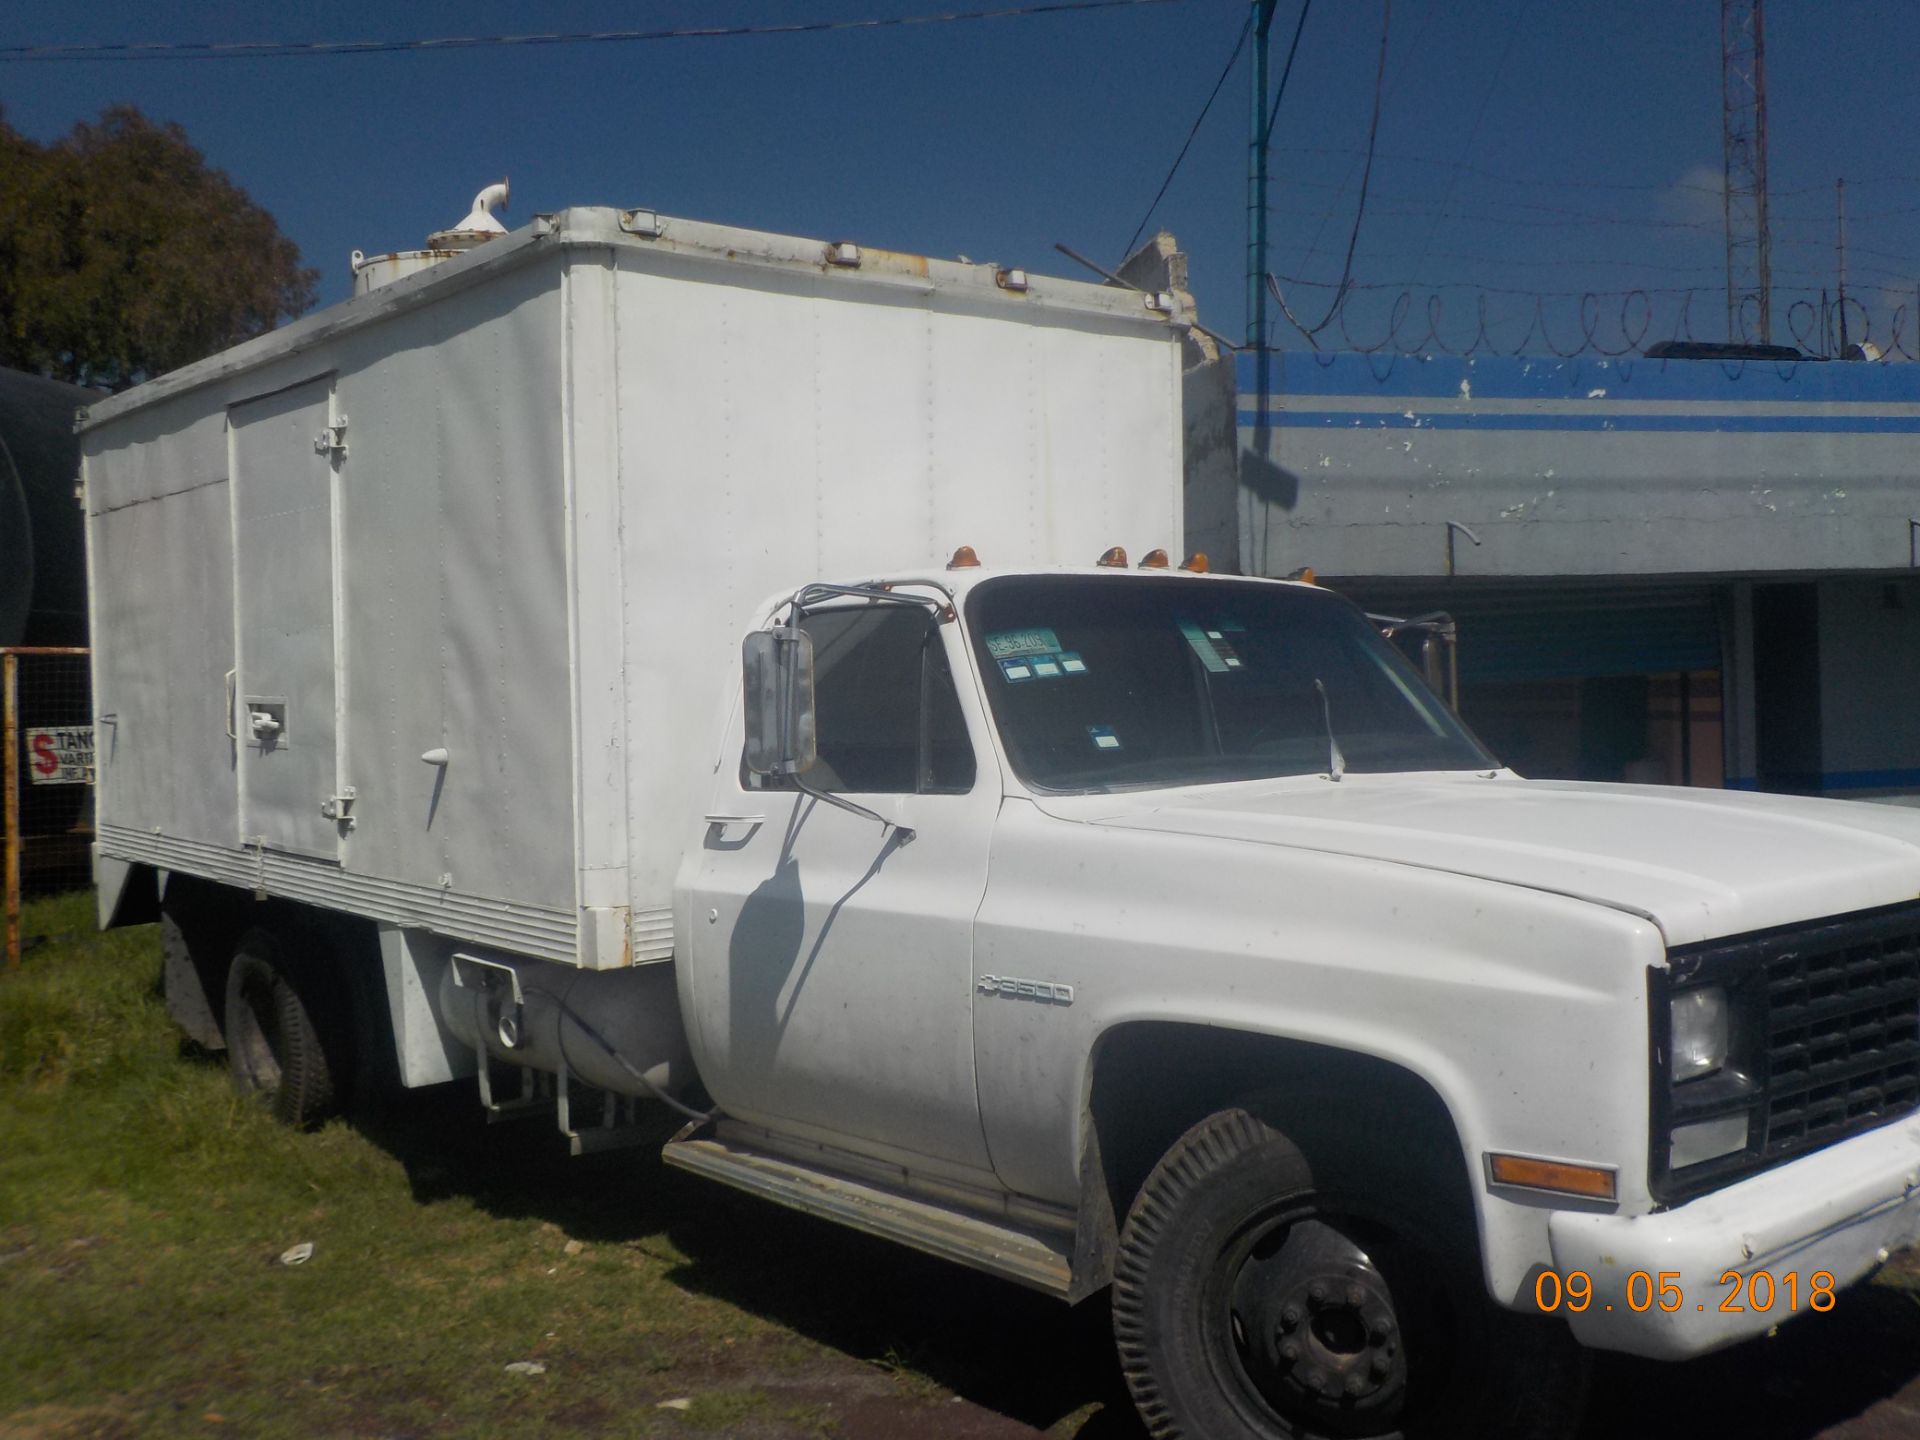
{"x":478,"y":226}
{"x":370,"y":272}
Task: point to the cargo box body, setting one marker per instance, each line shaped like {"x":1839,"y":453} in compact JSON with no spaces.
{"x":421,"y":608}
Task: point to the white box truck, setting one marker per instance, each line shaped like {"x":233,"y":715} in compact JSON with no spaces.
{"x":569,"y":658}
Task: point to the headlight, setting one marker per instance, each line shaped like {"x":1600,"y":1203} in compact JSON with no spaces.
{"x":1700,"y":1032}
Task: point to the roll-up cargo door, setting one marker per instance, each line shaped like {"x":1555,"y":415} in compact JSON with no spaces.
{"x":284,"y":714}
{"x":1552,"y":636}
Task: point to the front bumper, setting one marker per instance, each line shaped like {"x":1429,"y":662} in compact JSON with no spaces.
{"x":1840,"y":1210}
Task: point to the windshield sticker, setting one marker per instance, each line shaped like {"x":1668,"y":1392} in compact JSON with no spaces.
{"x":1103,"y":737}
{"x":1047,"y":666}
{"x":1003,"y":644}
{"x":1207,"y":648}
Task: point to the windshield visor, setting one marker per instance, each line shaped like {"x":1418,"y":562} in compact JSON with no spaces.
{"x":1103,"y":683}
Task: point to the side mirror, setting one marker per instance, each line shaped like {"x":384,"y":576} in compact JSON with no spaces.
{"x":777,"y":685}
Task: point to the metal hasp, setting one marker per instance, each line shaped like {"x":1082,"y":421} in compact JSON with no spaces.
{"x":1743,"y":138}
{"x":339,"y":808}
{"x":332,"y":440}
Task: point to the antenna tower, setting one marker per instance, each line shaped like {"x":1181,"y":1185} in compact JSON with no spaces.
{"x":1743,"y":131}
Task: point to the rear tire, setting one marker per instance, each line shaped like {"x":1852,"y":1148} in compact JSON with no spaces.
{"x":1273,"y":1291}
{"x":275,"y":1012}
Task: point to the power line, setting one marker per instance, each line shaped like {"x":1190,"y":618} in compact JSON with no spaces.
{"x":1201,"y":119}
{"x":1479,"y":115}
{"x":286,"y":49}
{"x":1286,"y":70}
{"x":1366,"y":174}
{"x":1527,"y":181}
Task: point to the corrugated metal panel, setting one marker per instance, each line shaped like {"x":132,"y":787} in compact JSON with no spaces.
{"x":1527,"y":644}
{"x":1564,"y":633}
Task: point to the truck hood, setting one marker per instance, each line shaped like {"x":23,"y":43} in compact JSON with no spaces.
{"x":1698,"y":863}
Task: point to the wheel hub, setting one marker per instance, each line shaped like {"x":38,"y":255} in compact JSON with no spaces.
{"x":1317,"y":1327}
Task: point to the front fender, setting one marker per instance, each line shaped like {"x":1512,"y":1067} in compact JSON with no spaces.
{"x":1524,"y":1011}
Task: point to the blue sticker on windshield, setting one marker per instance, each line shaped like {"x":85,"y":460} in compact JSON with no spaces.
{"x":1017,"y":670}
{"x":1103,"y":737}
{"x":1071,"y":663}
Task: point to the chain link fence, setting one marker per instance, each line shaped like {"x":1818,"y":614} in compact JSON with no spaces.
{"x":46,"y":803}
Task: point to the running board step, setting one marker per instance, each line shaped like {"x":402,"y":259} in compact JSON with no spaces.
{"x":950,"y":1234}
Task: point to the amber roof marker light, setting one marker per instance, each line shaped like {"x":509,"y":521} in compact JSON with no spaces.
{"x":964,"y":559}
{"x":1114,"y":559}
{"x":1196,"y":562}
{"x":1153,"y":560}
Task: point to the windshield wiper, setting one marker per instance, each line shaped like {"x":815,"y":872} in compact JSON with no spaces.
{"x":1336,"y":762}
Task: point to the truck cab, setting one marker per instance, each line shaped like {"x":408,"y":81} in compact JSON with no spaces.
{"x":1166,"y":928}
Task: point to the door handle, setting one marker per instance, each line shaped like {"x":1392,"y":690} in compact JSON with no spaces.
{"x":232,"y":734}
{"x":735,"y":819}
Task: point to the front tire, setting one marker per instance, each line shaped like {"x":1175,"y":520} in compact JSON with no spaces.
{"x":274,"y":1014}
{"x":1273,"y":1291}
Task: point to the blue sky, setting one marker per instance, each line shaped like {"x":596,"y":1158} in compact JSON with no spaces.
{"x":1525,"y":145}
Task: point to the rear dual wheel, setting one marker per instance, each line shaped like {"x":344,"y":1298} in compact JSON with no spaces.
{"x":1269,"y":1291}
{"x":276,"y":1008}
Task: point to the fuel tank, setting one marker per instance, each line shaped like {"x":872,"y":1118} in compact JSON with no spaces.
{"x":552,"y":1017}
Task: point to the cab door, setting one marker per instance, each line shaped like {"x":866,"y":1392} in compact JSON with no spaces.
{"x":831,"y":956}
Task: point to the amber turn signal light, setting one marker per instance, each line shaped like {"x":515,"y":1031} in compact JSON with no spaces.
{"x":1589,"y":1181}
{"x":1154,"y":560}
{"x":964,"y":559}
{"x":1196,"y":562}
{"x":1304,"y":575}
{"x":1114,"y":559}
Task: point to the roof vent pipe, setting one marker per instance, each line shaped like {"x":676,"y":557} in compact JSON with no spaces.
{"x":479,"y":224}
{"x":370,"y":272}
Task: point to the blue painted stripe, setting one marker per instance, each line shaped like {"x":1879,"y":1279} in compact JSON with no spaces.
{"x":1908,"y":779}
{"x":1870,"y":780}
{"x":1564,"y":420}
{"x":1303,"y":373}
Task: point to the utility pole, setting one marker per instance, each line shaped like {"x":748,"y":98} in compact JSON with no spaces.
{"x":1743,"y":135}
{"x":1257,"y":185}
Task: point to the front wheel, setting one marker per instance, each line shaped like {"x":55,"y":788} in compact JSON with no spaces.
{"x":1270,"y":1292}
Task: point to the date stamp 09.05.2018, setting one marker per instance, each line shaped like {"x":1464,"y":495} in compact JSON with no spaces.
{"x":1760,"y":1291}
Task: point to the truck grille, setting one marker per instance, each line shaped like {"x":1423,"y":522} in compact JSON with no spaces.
{"x":1827,"y":1023}
{"x":1842,"y":1029}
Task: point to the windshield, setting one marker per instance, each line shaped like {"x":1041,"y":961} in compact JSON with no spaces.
{"x":1135,"y":681}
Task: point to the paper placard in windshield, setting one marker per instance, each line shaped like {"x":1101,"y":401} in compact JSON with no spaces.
{"x":1103,"y":737}
{"x":1211,"y":646}
{"x":1004,"y":644}
{"x":1042,"y":667}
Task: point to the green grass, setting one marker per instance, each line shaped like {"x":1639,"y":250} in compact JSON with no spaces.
{"x":143,"y":1205}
